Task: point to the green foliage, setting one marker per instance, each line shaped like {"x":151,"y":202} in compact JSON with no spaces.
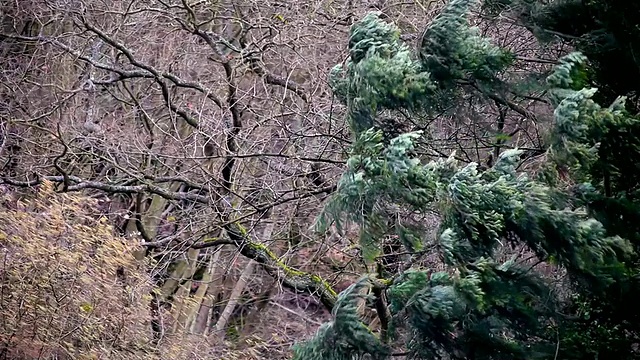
{"x":379,"y":74}
{"x":570,"y":73}
{"x":588,"y":138}
{"x":605,"y":31}
{"x":346,"y":338}
{"x":383,"y":73}
{"x":598,"y":147}
{"x":466,"y":314}
{"x":587,"y":336}
{"x":376,"y":174}
{"x":452,"y":50}
{"x":480,"y":307}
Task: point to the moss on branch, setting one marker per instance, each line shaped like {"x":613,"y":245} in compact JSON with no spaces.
{"x":296,"y":280}
{"x":293,"y":279}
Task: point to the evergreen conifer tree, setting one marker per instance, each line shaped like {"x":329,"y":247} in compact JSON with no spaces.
{"x":607,"y":32}
{"x":480,"y":307}
{"x":592,"y":141}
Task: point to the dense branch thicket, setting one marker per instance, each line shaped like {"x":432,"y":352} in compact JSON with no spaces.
{"x":69,"y":288}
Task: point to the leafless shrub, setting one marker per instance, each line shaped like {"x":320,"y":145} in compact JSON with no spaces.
{"x":69,"y":287}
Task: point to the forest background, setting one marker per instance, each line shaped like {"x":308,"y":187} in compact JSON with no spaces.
{"x":165,"y":165}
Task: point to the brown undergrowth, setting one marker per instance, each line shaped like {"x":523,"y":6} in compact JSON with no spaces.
{"x":69,"y":287}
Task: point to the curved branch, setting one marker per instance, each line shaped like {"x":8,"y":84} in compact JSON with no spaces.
{"x":147,"y":71}
{"x":56,"y":161}
{"x":293,"y":279}
{"x":271,"y":79}
{"x":81,"y":184}
{"x":236,"y":126}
